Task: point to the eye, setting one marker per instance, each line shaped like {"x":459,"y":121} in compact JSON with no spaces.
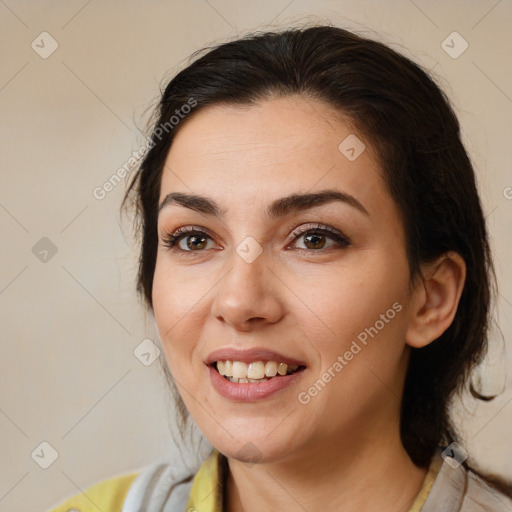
{"x":195,"y":239}
{"x":314,"y":238}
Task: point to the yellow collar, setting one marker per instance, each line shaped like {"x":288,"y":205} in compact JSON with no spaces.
{"x":433,"y":470}
{"x":207,"y":492}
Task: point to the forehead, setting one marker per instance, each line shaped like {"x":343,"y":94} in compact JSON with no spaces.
{"x":278,"y":146}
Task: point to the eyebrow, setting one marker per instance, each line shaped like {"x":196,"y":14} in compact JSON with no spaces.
{"x":278,"y":208}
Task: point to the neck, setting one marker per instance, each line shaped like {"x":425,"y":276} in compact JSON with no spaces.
{"x":361,"y":475}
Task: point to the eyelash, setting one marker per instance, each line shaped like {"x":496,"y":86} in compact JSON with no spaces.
{"x":170,"y":240}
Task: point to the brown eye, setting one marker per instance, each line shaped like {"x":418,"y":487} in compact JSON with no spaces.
{"x":194,"y":242}
{"x":315,"y":240}
{"x":187,"y":240}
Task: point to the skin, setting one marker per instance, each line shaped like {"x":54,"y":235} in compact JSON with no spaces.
{"x":342,"y":450}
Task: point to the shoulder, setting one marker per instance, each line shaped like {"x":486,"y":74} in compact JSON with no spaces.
{"x":457,"y":489}
{"x":157,"y":484}
{"x":106,"y":495}
{"x":480,"y":496}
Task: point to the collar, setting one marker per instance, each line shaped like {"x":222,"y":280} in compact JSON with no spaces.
{"x":207,"y":492}
{"x":449,"y":488}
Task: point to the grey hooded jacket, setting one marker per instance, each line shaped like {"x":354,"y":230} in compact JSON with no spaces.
{"x":163,"y":488}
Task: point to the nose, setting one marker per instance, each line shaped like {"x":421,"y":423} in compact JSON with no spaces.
{"x":248,"y":295}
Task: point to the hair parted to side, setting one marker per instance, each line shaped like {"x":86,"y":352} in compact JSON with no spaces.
{"x":397,"y":106}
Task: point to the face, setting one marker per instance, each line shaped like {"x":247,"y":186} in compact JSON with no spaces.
{"x":282,"y":246}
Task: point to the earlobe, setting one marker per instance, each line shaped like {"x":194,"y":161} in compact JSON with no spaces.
{"x":435,"y":299}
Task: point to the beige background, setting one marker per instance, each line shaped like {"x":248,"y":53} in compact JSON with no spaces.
{"x":70,"y":324}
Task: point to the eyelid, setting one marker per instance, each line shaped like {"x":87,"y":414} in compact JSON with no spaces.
{"x":304,"y":228}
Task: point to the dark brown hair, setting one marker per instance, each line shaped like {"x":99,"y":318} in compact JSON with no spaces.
{"x":408,"y":119}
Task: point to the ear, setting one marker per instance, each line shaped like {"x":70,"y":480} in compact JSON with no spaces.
{"x":435,"y":299}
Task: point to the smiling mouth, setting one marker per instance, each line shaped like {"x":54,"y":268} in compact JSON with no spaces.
{"x":257,"y":371}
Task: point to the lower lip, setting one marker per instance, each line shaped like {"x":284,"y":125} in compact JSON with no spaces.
{"x":251,"y":391}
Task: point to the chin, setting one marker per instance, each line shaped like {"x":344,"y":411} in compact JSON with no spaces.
{"x":253,"y":446}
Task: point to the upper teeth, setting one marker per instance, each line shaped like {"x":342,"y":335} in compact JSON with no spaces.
{"x":255,"y":370}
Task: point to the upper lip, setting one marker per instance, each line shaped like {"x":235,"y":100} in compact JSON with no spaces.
{"x":251,"y":355}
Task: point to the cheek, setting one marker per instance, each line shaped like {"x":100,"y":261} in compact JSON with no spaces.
{"x":176,"y":306}
{"x":177,"y":292}
{"x":361,"y":348}
{"x":165,"y":303}
{"x":363,"y":303}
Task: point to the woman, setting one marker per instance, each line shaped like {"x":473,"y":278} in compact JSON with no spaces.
{"x":315,"y":255}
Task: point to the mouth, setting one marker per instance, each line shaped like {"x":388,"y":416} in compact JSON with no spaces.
{"x":242,"y":372}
